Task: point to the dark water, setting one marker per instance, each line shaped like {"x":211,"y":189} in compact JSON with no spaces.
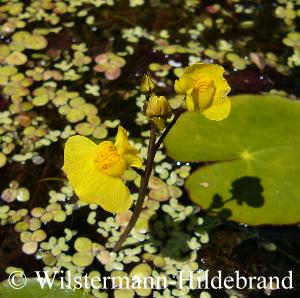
{"x":232,"y":246}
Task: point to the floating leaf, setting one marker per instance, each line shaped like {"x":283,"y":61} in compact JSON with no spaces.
{"x":36,"y":42}
{"x":83,"y":244}
{"x":83,"y":259}
{"x":16,"y":58}
{"x":89,"y":109}
{"x":258,"y":152}
{"x":237,"y":61}
{"x":75,"y":115}
{"x":2,"y":159}
{"x":174,"y":191}
{"x":76,"y":102}
{"x":40,"y":100}
{"x":30,"y":247}
{"x":4,"y":52}
{"x":9,"y":195}
{"x":23,"y":194}
{"x":161,"y":194}
{"x":124,"y":293}
{"x":39,"y":235}
{"x":59,"y":215}
{"x":100,"y":132}
{"x":84,"y":128}
{"x":140,"y":271}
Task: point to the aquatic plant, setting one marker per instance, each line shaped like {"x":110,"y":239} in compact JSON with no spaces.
{"x":95,"y":171}
{"x":205,"y":90}
{"x":91,"y":168}
{"x":51,"y":90}
{"x":110,"y":64}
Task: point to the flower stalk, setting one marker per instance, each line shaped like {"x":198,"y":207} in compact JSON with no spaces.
{"x":143,"y":188}
{"x":152,"y":149}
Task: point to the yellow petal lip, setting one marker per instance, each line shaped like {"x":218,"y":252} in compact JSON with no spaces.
{"x":189,"y":101}
{"x":204,"y":99}
{"x":122,"y":144}
{"x":218,"y":112}
{"x":133,"y":161}
{"x":130,"y":153}
{"x":91,"y":185}
{"x":108,"y":160}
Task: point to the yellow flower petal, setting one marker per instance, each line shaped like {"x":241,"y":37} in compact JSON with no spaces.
{"x":222,"y":89}
{"x":214,"y":70}
{"x":122,"y":143}
{"x":91,"y":185}
{"x":189,"y":101}
{"x":183,"y":84}
{"x":208,"y":91}
{"x":78,"y":148}
{"x":218,"y":112}
{"x":203,"y":97}
{"x":133,"y":161}
{"x":108,"y":192}
{"x":123,"y":146}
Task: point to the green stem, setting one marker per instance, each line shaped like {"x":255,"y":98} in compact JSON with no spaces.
{"x":139,"y":172}
{"x":152,"y":149}
{"x":143,"y":189}
{"x":168,"y":128}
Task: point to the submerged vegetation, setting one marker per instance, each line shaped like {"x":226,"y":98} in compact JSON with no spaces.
{"x":75,"y":67}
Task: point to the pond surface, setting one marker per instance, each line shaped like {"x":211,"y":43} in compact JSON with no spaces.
{"x":74,"y":67}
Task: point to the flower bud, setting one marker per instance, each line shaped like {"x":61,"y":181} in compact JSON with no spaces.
{"x":147,"y":85}
{"x":159,"y":122}
{"x":158,"y":106}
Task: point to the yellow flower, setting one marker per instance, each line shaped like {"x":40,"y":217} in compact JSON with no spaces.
{"x":205,"y":90}
{"x":95,"y":171}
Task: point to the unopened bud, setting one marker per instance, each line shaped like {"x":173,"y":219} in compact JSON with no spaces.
{"x":158,"y":106}
{"x":159,"y":122}
{"x":147,"y":85}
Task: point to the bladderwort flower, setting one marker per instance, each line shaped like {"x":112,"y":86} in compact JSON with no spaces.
{"x":205,"y":90}
{"x":95,"y":171}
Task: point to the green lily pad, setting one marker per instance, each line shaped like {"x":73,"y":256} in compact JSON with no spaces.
{"x":256,"y":155}
{"x":33,"y":289}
